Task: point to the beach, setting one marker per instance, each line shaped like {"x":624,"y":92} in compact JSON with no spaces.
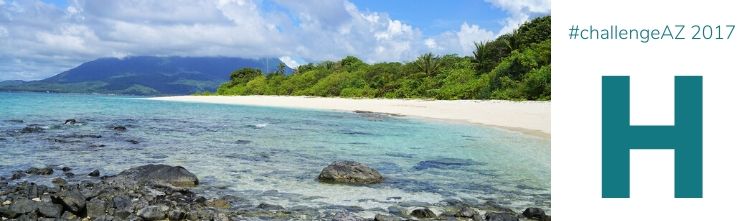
{"x":530,"y":117}
{"x":256,"y":162}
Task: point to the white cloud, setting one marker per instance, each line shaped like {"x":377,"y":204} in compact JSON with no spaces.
{"x":470,"y":34}
{"x":520,"y":11}
{"x":38,"y":40}
{"x":290,"y":62}
{"x":430,"y":43}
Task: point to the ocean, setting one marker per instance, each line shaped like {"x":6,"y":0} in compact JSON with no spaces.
{"x":273,"y":155}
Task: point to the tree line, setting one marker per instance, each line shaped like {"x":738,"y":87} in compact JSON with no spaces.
{"x":514,"y":66}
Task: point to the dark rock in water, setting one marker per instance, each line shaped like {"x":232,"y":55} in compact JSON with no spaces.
{"x":349,"y":172}
{"x":501,"y":216}
{"x":396,"y":210}
{"x":243,"y":142}
{"x":380,"y":217}
{"x":119,"y":128}
{"x":81,"y":136}
{"x":40,"y":171}
{"x":66,"y":169}
{"x":444,"y":163}
{"x":534,"y":213}
{"x":17,"y":175}
{"x":15,"y":121}
{"x":32,"y":129}
{"x":94,"y":173}
{"x":59,"y":181}
{"x":159,"y":174}
{"x":266,"y":206}
{"x":346,"y":216}
{"x":69,"y":174}
{"x":133,"y":141}
{"x":423,"y":213}
{"x":48,"y":209}
{"x":70,"y":122}
{"x":152,"y":213}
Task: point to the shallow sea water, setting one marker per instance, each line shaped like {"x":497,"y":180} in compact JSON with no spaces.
{"x":273,"y":155}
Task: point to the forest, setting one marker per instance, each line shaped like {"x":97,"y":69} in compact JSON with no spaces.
{"x":514,"y":66}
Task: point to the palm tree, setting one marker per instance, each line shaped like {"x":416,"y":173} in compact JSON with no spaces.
{"x":428,"y":63}
{"x":481,"y":55}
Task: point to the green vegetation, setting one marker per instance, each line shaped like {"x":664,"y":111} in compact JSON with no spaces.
{"x":515,"y":66}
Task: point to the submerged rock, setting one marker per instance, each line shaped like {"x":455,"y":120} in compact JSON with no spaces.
{"x":444,"y":163}
{"x":119,"y":128}
{"x":32,"y":129}
{"x":59,"y":181}
{"x":17,"y":175}
{"x":423,"y":213}
{"x":267,"y":206}
{"x":40,"y":171}
{"x":165,"y":175}
{"x":349,"y":172}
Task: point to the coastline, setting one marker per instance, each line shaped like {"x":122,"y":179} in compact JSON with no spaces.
{"x":528,"y":117}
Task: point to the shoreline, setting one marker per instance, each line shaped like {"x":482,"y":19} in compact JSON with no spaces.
{"x":161,"y":192}
{"x":527,"y":117}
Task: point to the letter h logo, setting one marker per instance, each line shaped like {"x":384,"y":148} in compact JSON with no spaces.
{"x":684,"y":137}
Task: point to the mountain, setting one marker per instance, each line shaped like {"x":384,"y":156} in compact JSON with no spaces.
{"x":144,"y":75}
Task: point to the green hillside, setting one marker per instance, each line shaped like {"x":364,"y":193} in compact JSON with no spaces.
{"x":514,"y":66}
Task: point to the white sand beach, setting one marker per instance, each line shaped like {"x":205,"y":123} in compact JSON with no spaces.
{"x":531,"y":117}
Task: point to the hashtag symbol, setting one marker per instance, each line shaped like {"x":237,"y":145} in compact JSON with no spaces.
{"x":573,"y":32}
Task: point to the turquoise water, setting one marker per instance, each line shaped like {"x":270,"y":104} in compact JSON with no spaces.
{"x":273,"y":155}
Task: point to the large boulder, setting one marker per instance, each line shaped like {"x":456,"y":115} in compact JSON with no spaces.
{"x":423,"y":213}
{"x":72,"y":199}
{"x":164,"y":175}
{"x":501,"y":216}
{"x":535,"y":213}
{"x":40,"y":171}
{"x":349,"y":172}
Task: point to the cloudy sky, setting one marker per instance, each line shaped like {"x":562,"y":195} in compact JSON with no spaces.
{"x":40,"y":38}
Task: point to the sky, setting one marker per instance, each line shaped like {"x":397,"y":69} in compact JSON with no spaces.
{"x":41,"y":38}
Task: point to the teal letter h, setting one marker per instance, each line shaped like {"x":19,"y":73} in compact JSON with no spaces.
{"x":684,"y":137}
